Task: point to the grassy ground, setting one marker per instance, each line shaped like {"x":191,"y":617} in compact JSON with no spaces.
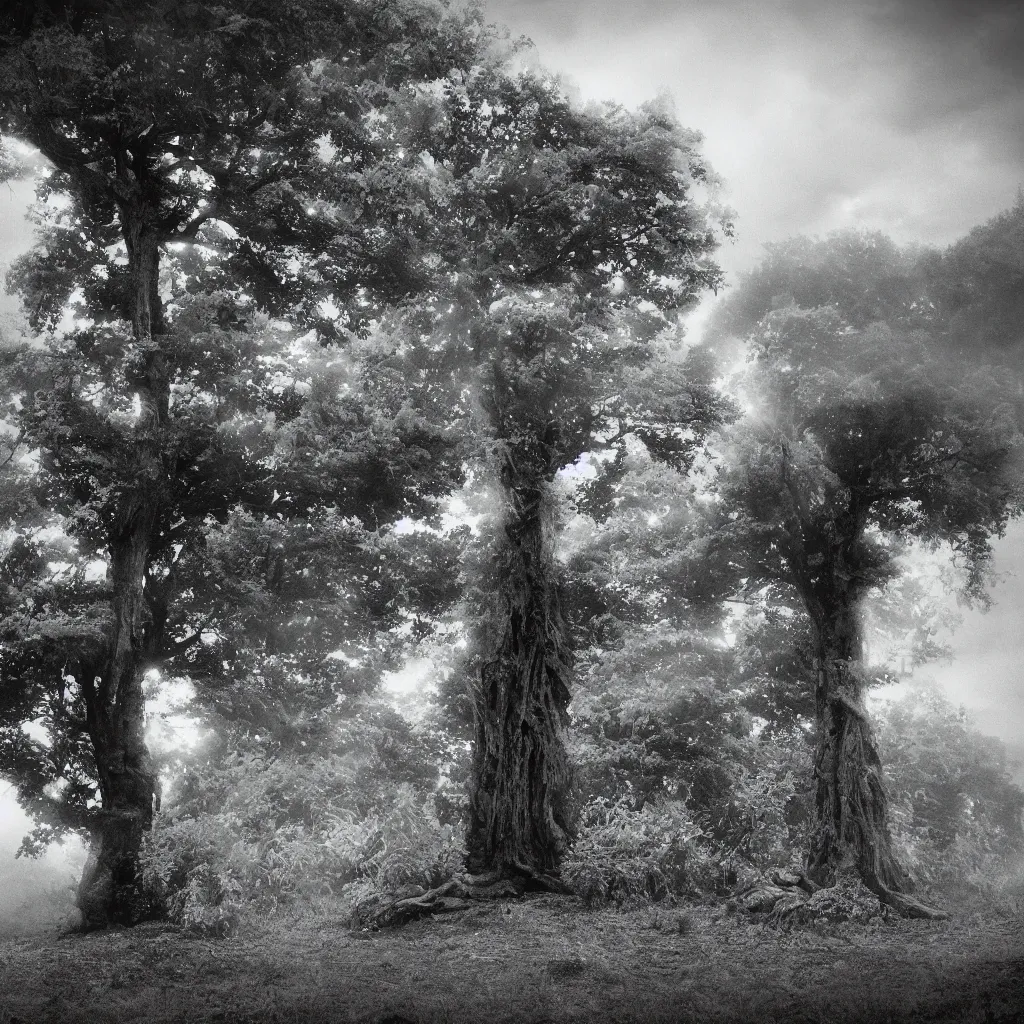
{"x":544,"y":960}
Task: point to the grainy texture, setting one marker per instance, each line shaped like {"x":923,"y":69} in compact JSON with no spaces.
{"x":542,"y":959}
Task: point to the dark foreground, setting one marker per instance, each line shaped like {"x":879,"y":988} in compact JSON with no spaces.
{"x":545,"y":960}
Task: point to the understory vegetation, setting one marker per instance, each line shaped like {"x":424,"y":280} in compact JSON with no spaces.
{"x":259,"y":831}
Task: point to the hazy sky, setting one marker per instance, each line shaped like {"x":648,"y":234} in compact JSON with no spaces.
{"x":818,"y":114}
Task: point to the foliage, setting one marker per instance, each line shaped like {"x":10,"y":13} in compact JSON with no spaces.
{"x":977,"y":284}
{"x":865,"y":275}
{"x":959,"y":817}
{"x":217,"y":203}
{"x":269,"y":825}
{"x":763,"y":821}
{"x":383,"y":260}
{"x":624,"y":854}
{"x":261,"y":131}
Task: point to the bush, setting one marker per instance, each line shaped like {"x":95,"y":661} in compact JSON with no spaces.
{"x":208,"y":866}
{"x":956,"y":812}
{"x":622,"y":854}
{"x":407,"y":845}
{"x":766,"y":813}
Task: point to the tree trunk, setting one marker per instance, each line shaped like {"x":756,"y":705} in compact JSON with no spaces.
{"x":851,"y":807}
{"x":850,"y":801}
{"x":520,"y":819}
{"x":112,"y":890}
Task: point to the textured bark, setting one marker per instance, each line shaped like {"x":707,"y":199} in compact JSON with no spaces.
{"x":850,"y":799}
{"x":520,"y":820}
{"x":112,"y":889}
{"x":851,"y":808}
{"x":851,"y":805}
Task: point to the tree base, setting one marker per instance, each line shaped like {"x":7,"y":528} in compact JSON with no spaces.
{"x":907,"y":906}
{"x":792,"y":898}
{"x":391,"y":910}
{"x":102,"y":902}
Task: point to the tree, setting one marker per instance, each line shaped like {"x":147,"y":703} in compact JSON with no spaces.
{"x":977,"y":286}
{"x":860,"y":433}
{"x":261,"y":574}
{"x":238,"y":154}
{"x":581,"y":241}
{"x":568,"y":239}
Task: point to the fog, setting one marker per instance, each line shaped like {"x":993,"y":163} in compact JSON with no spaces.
{"x":36,"y":894}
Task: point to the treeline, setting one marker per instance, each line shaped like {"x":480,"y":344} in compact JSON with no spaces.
{"x":352,"y":336}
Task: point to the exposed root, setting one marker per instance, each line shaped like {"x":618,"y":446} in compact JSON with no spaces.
{"x":539,"y":881}
{"x":390,"y":910}
{"x":791,"y":897}
{"x":792,"y":887}
{"x":907,"y":906}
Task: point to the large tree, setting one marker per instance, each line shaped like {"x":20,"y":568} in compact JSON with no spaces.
{"x":264,"y":584}
{"x":579,"y":241}
{"x":568,"y":240}
{"x":861,"y":432}
{"x":236,"y":151}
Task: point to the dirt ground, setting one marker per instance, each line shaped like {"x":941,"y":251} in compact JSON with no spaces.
{"x":542,"y":960}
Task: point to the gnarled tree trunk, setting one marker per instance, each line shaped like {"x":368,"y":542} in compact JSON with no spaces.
{"x":850,"y":799}
{"x":851,"y":805}
{"x":520,"y":820}
{"x":112,"y":889}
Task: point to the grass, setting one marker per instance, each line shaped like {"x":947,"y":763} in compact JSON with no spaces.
{"x":543,"y":960}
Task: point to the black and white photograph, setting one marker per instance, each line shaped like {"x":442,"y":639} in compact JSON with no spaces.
{"x":511,"y":511}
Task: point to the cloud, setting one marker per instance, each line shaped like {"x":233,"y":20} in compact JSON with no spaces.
{"x":900,"y":115}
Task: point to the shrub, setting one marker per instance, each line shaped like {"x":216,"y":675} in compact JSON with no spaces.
{"x":645,"y":854}
{"x":956,"y":812}
{"x":407,"y":845}
{"x":208,"y":866}
{"x":765,"y":815}
{"x":187,"y":866}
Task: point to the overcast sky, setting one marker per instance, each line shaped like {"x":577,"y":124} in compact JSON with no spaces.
{"x":818,"y":114}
